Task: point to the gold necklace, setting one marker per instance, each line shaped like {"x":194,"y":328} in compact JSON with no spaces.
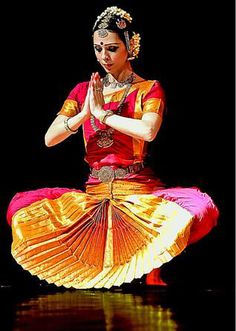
{"x":105,"y":137}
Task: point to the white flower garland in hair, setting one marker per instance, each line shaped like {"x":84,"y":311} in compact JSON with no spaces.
{"x":114,"y":10}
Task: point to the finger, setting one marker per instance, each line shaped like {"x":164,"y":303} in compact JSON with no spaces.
{"x":97,"y":84}
{"x":97,"y":76}
{"x":97,"y":80}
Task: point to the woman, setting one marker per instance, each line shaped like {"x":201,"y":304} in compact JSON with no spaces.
{"x":126,"y":224}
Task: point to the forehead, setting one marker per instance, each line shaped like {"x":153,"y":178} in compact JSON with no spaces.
{"x":111,"y":37}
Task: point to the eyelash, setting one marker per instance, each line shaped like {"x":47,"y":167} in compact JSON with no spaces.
{"x":112,"y":49}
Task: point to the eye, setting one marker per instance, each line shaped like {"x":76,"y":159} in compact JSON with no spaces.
{"x":98,"y":48}
{"x":112,"y":48}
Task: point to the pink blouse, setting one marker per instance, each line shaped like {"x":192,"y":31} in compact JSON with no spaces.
{"x":143,"y":97}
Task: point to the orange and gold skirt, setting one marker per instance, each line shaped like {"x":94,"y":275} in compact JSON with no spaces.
{"x":108,"y":235}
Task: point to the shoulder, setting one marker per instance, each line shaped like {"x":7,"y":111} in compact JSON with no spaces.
{"x":80,"y":86}
{"x":78,"y":91}
{"x":153,"y":88}
{"x":155,"y":84}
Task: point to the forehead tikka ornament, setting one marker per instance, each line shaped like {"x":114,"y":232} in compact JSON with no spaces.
{"x":102,"y":33}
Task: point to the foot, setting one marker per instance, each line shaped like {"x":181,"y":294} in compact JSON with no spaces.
{"x":154,"y":278}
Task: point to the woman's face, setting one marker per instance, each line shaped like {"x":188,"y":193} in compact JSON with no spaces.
{"x":110,"y":51}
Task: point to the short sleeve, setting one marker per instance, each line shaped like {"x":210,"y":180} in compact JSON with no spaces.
{"x":154,"y":100}
{"x":73,"y":103}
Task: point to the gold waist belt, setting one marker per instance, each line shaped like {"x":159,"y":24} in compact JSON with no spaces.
{"x":107,"y":174}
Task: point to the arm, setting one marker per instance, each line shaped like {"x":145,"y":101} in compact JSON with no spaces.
{"x":145,"y":128}
{"x":57,"y":132}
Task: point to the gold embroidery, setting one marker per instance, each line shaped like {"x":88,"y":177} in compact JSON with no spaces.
{"x":69,"y":108}
{"x":154,"y":105}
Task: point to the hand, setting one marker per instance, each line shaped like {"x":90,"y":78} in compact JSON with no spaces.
{"x":86,"y":107}
{"x":96,"y":99}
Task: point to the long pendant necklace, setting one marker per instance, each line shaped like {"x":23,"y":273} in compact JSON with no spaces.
{"x":105,"y":137}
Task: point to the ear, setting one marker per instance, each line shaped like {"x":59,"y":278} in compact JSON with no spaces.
{"x":131,"y":47}
{"x":131,"y":43}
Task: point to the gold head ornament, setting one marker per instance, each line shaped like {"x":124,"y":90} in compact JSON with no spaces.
{"x":134,"y":46}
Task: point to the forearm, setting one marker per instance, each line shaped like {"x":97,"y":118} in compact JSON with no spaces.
{"x":144,"y":129}
{"x":57,"y":131}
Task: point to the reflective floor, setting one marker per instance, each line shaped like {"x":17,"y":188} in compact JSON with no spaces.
{"x":132,"y":308}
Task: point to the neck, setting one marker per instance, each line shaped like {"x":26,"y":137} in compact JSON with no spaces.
{"x":124,"y":78}
{"x":121,"y":74}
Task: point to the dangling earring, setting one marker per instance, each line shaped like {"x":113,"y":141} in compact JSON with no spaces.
{"x":131,"y":55}
{"x":130,"y":58}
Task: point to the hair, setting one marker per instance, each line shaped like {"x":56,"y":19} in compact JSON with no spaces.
{"x":115,"y":20}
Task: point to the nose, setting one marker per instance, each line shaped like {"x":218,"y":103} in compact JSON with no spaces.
{"x":104,"y":55}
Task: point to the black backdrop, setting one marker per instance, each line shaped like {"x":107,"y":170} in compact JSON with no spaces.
{"x":187,"y":46}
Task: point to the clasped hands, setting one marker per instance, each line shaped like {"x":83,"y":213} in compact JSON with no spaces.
{"x":94,"y":100}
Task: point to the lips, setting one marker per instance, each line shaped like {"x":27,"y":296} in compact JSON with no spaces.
{"x":107,"y":65}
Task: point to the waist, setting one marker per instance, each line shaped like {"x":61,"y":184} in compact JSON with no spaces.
{"x":120,"y":188}
{"x":107,"y":174}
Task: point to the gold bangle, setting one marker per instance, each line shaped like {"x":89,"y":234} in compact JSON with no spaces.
{"x":106,"y":115}
{"x":66,"y":125}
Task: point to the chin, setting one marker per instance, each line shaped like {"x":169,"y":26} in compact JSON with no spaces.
{"x":108,"y":71}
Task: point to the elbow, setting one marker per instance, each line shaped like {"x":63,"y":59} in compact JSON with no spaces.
{"x":48,"y":142}
{"x":150,"y":138}
{"x":150,"y":134}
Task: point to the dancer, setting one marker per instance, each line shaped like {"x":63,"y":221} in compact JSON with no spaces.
{"x":126,"y":223}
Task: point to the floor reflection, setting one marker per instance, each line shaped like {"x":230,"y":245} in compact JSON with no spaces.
{"x":93,"y":310}
{"x":115,"y":310}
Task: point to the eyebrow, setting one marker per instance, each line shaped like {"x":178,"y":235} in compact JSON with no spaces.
{"x":107,"y":44}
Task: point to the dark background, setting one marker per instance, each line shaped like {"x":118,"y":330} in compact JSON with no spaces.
{"x":188,"y":47}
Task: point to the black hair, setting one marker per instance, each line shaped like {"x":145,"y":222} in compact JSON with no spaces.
{"x":113,"y":23}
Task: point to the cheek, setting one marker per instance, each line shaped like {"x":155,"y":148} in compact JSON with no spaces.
{"x":120,"y":57}
{"x":98,"y":56}
{"x":123,"y":54}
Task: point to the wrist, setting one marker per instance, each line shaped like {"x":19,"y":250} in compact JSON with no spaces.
{"x":105,"y":115}
{"x":67,"y":126}
{"x":99,"y":113}
{"x":84,"y":114}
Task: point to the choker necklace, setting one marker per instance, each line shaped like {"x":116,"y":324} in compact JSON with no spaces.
{"x":116,"y":83}
{"x":105,"y":137}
